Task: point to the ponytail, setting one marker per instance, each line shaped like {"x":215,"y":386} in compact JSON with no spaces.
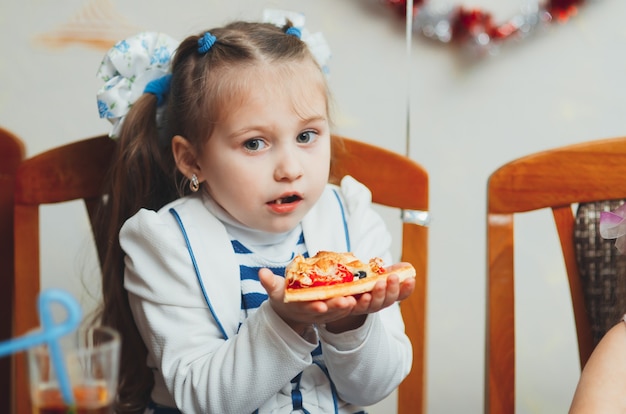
{"x":140,"y":177}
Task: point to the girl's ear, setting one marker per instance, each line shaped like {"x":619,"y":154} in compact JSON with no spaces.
{"x":185,"y":157}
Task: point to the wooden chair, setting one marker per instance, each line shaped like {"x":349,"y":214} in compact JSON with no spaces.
{"x":555,"y":179}
{"x":12,"y":152}
{"x":397,"y":181}
{"x":76,"y":170}
{"x":70,"y":172}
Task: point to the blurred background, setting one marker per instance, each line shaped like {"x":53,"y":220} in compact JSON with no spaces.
{"x":471,"y":110}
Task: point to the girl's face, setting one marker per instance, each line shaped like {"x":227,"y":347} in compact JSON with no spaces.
{"x":267,"y":160}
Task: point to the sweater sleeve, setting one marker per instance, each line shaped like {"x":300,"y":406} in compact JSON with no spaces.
{"x":199,"y":369}
{"x":368,"y":363}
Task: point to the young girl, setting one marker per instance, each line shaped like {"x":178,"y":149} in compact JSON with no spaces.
{"x":221,"y":179}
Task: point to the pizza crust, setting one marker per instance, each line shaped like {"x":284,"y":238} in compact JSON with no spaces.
{"x":299,"y":266}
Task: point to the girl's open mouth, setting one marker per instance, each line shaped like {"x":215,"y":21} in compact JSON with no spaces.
{"x":286,"y":204}
{"x":287,"y":200}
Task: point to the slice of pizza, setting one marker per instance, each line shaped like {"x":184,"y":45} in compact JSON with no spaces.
{"x":330,"y":274}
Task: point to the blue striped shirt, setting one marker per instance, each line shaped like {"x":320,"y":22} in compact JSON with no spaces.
{"x":250,"y":262}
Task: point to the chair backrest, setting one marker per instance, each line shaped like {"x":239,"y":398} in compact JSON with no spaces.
{"x":557,"y":179}
{"x":69,"y":172}
{"x":397,"y":181}
{"x":76,"y":171}
{"x":12,"y":153}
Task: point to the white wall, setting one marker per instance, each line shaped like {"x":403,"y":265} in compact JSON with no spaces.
{"x":562,"y":86}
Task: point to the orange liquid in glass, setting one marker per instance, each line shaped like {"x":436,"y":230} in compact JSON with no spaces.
{"x":92,"y":399}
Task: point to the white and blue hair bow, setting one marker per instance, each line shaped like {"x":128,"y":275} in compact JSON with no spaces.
{"x":127,"y":68}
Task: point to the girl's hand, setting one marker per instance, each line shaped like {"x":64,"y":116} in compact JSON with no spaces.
{"x":302,"y":314}
{"x":385,"y":293}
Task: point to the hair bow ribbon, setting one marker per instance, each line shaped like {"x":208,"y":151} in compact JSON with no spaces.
{"x":126,"y":70}
{"x":315,"y":41}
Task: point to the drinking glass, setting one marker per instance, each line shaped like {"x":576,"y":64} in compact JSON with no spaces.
{"x":91,"y":359}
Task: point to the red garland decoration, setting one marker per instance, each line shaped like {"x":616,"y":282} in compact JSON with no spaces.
{"x":463,"y":24}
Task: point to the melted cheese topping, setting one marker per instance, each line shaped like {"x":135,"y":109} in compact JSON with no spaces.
{"x":328,"y":268}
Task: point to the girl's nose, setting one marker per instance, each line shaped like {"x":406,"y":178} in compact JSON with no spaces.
{"x":288,"y":167}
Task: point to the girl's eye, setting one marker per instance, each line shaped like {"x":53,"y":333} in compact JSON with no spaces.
{"x":306,"y":137}
{"x":254,"y":144}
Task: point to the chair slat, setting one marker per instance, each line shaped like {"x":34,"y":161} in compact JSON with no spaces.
{"x":399,"y":182}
